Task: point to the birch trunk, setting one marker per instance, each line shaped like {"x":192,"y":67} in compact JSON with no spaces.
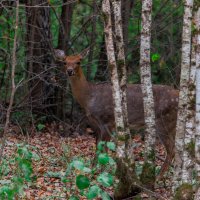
{"x":188,"y":153}
{"x":197,"y":133}
{"x":146,"y":85}
{"x":116,"y":4}
{"x":183,"y":95}
{"x":125,"y":166}
{"x":119,"y":120}
{"x":121,"y":59}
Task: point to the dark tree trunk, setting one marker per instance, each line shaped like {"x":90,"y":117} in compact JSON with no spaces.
{"x":127,"y":6}
{"x":102,"y":73}
{"x":65,"y":26}
{"x":63,"y":44}
{"x":39,"y":56}
{"x":92,"y":40}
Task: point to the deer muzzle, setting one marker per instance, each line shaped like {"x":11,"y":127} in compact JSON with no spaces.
{"x":70,"y":72}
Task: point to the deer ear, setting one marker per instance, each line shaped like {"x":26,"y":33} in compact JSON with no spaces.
{"x":59,"y":54}
{"x":85,"y":52}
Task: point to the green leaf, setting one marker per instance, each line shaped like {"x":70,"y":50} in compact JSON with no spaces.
{"x":40,"y":126}
{"x":87,"y":170}
{"x":26,"y":168}
{"x":65,"y":180}
{"x":138,"y":169}
{"x":101,"y":145}
{"x":24,"y":152}
{"x":78,"y":164}
{"x":103,"y":158}
{"x":105,"y":179}
{"x":155,"y":57}
{"x":112,"y":161}
{"x":111,"y":146}
{"x":105,"y":196}
{"x":3,"y":19}
{"x":93,"y":192}
{"x":82,"y":182}
{"x":73,"y":198}
{"x":7,"y":193}
{"x":53,"y":174}
{"x":5,"y":182}
{"x":35,"y":156}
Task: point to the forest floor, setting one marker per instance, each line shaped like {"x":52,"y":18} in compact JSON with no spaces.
{"x":54,"y":153}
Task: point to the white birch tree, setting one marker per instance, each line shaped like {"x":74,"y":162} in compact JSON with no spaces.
{"x":121,"y":65}
{"x":118,"y":113}
{"x":146,"y":85}
{"x":125,"y":163}
{"x":188,"y":153}
{"x":183,"y":94}
{"x":197,"y":117}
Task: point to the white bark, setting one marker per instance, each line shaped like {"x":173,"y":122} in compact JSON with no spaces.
{"x":121,"y":58}
{"x":197,"y":133}
{"x":118,"y":112}
{"x":188,"y":163}
{"x":123,"y":73}
{"x":145,"y":74}
{"x":183,"y":95}
{"x":124,"y":155}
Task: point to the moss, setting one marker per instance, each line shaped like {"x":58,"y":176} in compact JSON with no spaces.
{"x":120,"y":129}
{"x":192,"y":103}
{"x":105,"y":18}
{"x":127,"y":186}
{"x":120,"y":66}
{"x":196,"y":5}
{"x":191,"y":87}
{"x":120,"y":63}
{"x":184,"y":192}
{"x":111,"y":66}
{"x":151,"y":155}
{"x":191,"y":148}
{"x":194,"y":29}
{"x":118,"y":39}
{"x":123,"y":138}
{"x":148,"y":175}
{"x":138,"y":197}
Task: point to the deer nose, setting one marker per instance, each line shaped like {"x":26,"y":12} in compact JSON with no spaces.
{"x":70,"y":72}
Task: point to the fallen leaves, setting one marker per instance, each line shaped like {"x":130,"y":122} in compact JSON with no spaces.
{"x":55,"y":152}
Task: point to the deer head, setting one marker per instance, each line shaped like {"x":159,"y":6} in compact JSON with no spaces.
{"x":71,"y":63}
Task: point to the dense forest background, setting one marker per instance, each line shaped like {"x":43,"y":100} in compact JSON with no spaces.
{"x":64,"y":69}
{"x":43,"y":91}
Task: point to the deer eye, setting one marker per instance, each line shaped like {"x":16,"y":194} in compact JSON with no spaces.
{"x":78,"y":63}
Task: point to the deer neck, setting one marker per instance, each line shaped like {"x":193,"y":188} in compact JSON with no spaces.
{"x":80,"y":88}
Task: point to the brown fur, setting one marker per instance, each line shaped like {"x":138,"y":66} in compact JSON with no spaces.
{"x":97,"y":101}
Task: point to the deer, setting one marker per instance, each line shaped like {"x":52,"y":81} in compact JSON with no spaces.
{"x":97,"y":101}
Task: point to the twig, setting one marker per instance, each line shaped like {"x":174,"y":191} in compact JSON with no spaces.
{"x":8,"y":113}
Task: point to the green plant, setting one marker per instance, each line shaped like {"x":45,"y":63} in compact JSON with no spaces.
{"x":22,"y":173}
{"x":91,"y":181}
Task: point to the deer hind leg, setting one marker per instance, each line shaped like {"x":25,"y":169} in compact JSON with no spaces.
{"x":169,"y":144}
{"x":166,"y":165}
{"x":103,"y":131}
